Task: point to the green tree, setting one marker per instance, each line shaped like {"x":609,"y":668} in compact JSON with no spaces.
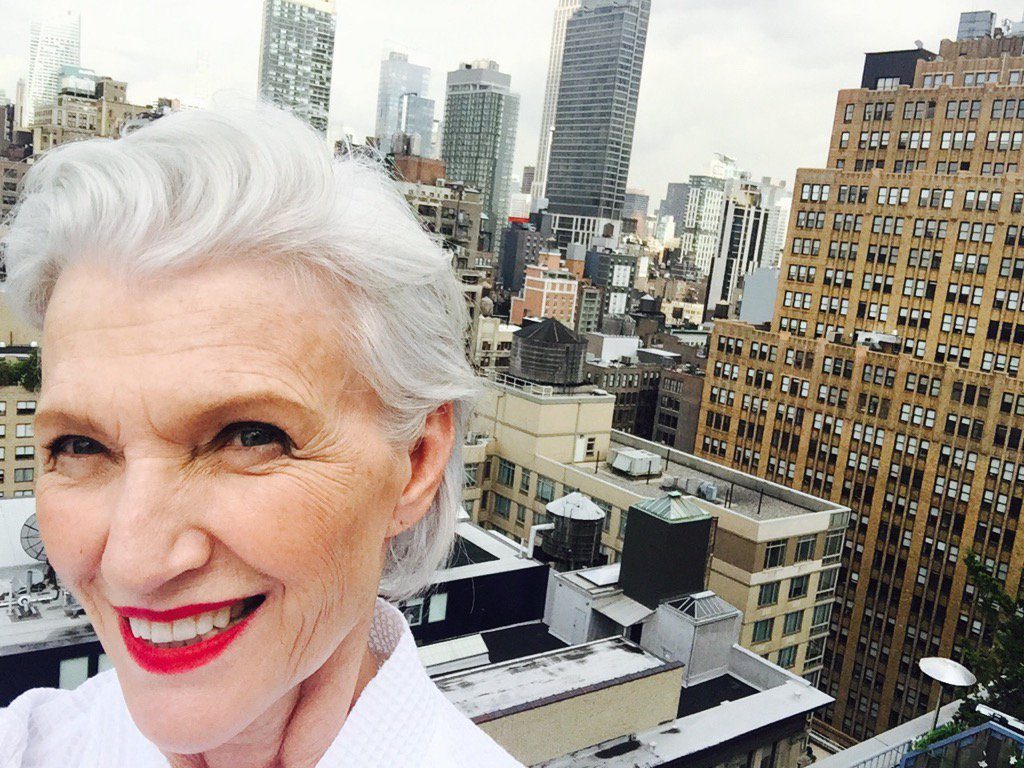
{"x":997,"y":657}
{"x":31,"y":373}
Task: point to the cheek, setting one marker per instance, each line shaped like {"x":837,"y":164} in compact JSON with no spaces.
{"x":73,"y":524}
{"x":305,"y":526}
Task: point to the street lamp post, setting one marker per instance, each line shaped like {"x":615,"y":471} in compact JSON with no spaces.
{"x":946,"y":672}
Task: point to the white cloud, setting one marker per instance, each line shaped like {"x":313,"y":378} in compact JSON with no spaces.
{"x":755,"y":79}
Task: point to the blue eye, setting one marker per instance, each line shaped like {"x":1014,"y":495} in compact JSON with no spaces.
{"x":254,"y":434}
{"x":74,"y":445}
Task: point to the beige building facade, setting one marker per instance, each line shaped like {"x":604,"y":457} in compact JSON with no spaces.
{"x":779,"y":554}
{"x":889,"y":380}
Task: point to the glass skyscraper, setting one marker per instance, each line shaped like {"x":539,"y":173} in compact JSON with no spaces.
{"x":296,"y":57}
{"x":54,"y":41}
{"x":480,"y":119}
{"x":402,"y":101}
{"x":597,"y":98}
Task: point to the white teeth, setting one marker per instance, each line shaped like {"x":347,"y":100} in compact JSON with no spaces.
{"x":184,"y":629}
{"x":162,"y":632}
{"x":204,"y":623}
{"x":140,"y":628}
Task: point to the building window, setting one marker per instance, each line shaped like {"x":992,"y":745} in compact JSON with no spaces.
{"x":775,"y":554}
{"x":26,"y":406}
{"x":545,"y":489}
{"x":73,"y":672}
{"x":792,"y":622}
{"x":524,"y":481}
{"x":24,"y":452}
{"x":798,"y":587}
{"x":805,"y":548}
{"x":520,"y":513}
{"x":768,"y":594}
{"x":501,"y":505}
{"x":438,"y":607}
{"x":622,"y":522}
{"x":472,"y":475}
{"x":787,"y":657}
{"x":506,"y":472}
{"x":763,"y":630}
{"x":413,"y":610}
{"x":24,"y":430}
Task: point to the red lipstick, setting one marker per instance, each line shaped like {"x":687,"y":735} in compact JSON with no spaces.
{"x":167,"y":661}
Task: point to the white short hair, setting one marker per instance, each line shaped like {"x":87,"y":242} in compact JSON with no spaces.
{"x":197,"y":186}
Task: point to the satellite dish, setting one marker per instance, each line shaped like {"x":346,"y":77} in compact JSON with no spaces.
{"x":31,"y":541}
{"x":947,"y":671}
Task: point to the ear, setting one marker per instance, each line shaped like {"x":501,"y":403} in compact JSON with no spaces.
{"x":428,"y":458}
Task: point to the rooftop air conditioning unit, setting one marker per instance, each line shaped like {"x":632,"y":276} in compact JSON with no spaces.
{"x":707,"y":491}
{"x":669,"y":483}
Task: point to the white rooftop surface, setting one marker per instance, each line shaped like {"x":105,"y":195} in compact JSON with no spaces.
{"x":703,"y":730}
{"x":53,"y":629}
{"x":747,"y":501}
{"x":509,"y":556}
{"x":522,"y":681}
{"x":452,"y":650}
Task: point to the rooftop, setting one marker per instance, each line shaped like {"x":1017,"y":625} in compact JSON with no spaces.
{"x":744,"y":494}
{"x":496,"y":690}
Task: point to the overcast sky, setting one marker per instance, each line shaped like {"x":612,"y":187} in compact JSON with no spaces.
{"x":754,"y":79}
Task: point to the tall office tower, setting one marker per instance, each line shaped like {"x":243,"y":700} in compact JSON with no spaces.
{"x":480,"y":118}
{"x":748,"y":239}
{"x":296,"y":57}
{"x":674,"y":203}
{"x":20,"y":102}
{"x":890,"y":378}
{"x":594,"y":118}
{"x":565,"y":9}
{"x":700,"y":228}
{"x":529,"y":172}
{"x":399,"y":82}
{"x":54,"y":40}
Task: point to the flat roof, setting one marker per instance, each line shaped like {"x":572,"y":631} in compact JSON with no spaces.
{"x":481,"y":553}
{"x":753,"y":497}
{"x":755,"y":502}
{"x":712,"y":726}
{"x":500,"y":689}
{"x":52,"y":629}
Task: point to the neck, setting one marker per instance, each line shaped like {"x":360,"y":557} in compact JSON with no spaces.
{"x":300,"y":726}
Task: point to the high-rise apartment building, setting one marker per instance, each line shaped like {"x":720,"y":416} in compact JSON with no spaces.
{"x":700,"y":228}
{"x":595,"y":115}
{"x":54,"y":40}
{"x":749,"y":236}
{"x":297,"y":57}
{"x":403,"y":103}
{"x":563,"y":12}
{"x":890,"y":378}
{"x":481,"y":114}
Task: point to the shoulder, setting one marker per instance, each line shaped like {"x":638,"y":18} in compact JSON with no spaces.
{"x":460,"y":743}
{"x":49,"y":727}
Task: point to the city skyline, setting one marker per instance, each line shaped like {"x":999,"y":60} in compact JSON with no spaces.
{"x":811,"y":52}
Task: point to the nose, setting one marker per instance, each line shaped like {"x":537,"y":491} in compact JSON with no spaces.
{"x":153,"y":537}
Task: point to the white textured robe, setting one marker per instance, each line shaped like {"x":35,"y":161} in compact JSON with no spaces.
{"x":400,"y":720}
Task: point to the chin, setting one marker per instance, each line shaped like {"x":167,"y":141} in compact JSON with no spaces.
{"x":183,"y":720}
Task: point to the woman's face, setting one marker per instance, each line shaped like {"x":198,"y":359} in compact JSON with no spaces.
{"x":218,"y":483}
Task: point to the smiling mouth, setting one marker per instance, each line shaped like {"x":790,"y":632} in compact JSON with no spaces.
{"x":192,"y":630}
{"x":185,"y":638}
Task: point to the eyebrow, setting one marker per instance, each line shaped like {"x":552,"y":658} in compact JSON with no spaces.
{"x":253,"y":404}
